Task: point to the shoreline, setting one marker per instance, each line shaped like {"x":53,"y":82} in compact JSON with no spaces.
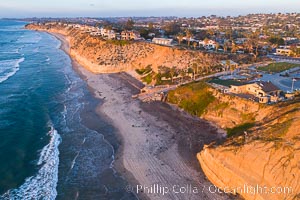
{"x":155,"y":149}
{"x":116,"y":163}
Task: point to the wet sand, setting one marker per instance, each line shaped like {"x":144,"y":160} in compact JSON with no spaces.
{"x":158,"y":142}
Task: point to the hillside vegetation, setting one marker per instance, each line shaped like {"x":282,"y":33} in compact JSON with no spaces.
{"x":194,"y":97}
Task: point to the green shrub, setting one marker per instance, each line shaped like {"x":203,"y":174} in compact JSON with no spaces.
{"x":193,"y":98}
{"x":239,"y":130}
{"x":145,"y":70}
{"x":119,"y":42}
{"x":148,"y":79}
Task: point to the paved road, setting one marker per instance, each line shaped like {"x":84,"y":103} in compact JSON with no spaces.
{"x":285,"y":59}
{"x":149,"y":95}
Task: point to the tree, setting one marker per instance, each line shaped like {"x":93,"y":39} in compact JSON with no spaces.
{"x":206,"y":63}
{"x":182,"y":74}
{"x":232,"y":68}
{"x":172,"y":28}
{"x":150,"y":26}
{"x":189,"y":36}
{"x":195,"y":45}
{"x":172,"y":72}
{"x":206,"y":40}
{"x":194,"y":67}
{"x":144,"y":33}
{"x":210,"y":32}
{"x":229,"y":33}
{"x":233,"y":48}
{"x":225,"y":47}
{"x":249,"y":46}
{"x":217,"y":46}
{"x":108,"y":27}
{"x":129,"y":24}
{"x":227,"y":64}
{"x":276,"y":40}
{"x":180,"y":38}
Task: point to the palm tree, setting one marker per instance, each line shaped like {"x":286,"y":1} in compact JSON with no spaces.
{"x":182,"y":74}
{"x":172,"y":72}
{"x":228,"y":32}
{"x":210,"y":32}
{"x":217,"y":46}
{"x":194,"y":45}
{"x":249,"y":46}
{"x":225,"y":47}
{"x":255,"y":37}
{"x":194,"y":67}
{"x":227,"y":64}
{"x":206,"y":40}
{"x":253,"y":42}
{"x":189,"y":35}
{"x":180,"y":38}
{"x":233,"y":47}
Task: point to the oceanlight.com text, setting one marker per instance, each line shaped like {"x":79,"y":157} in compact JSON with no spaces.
{"x":191,"y":189}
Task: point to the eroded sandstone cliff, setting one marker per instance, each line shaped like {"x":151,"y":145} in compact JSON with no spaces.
{"x":264,"y":162}
{"x":102,"y":56}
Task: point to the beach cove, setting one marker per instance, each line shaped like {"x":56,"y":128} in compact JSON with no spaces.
{"x":158,"y":145}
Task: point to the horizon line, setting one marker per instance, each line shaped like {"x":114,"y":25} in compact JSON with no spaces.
{"x":148,"y":16}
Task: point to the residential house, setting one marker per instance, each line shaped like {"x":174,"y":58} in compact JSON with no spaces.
{"x":108,"y":33}
{"x":283,"y":52}
{"x":209,"y":44}
{"x":265,"y":92}
{"x":130,"y":35}
{"x":162,"y":41}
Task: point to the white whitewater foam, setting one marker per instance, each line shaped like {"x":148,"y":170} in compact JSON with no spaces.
{"x":30,"y":39}
{"x":43,"y":184}
{"x":8,"y":68}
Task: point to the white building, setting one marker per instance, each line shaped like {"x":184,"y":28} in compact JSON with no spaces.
{"x":107,"y":33}
{"x":163,"y":41}
{"x":209,"y":44}
{"x":283,"y":52}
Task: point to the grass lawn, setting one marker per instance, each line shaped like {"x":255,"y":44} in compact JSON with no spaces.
{"x":278,"y":67}
{"x":225,"y":82}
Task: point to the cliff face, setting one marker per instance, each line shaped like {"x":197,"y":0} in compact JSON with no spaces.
{"x":100,"y":56}
{"x":268,"y":157}
{"x":229,"y":111}
{"x":263,"y":151}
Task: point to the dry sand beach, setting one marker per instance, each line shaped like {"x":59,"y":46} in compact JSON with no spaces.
{"x":158,"y":142}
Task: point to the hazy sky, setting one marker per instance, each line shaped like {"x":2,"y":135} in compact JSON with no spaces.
{"x":102,"y":8}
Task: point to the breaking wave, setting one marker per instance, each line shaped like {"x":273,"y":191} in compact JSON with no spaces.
{"x":43,"y":184}
{"x":8,"y":68}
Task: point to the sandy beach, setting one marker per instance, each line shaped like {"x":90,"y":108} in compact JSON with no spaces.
{"x":158,"y":142}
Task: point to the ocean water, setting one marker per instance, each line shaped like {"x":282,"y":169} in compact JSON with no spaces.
{"x":47,"y":149}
